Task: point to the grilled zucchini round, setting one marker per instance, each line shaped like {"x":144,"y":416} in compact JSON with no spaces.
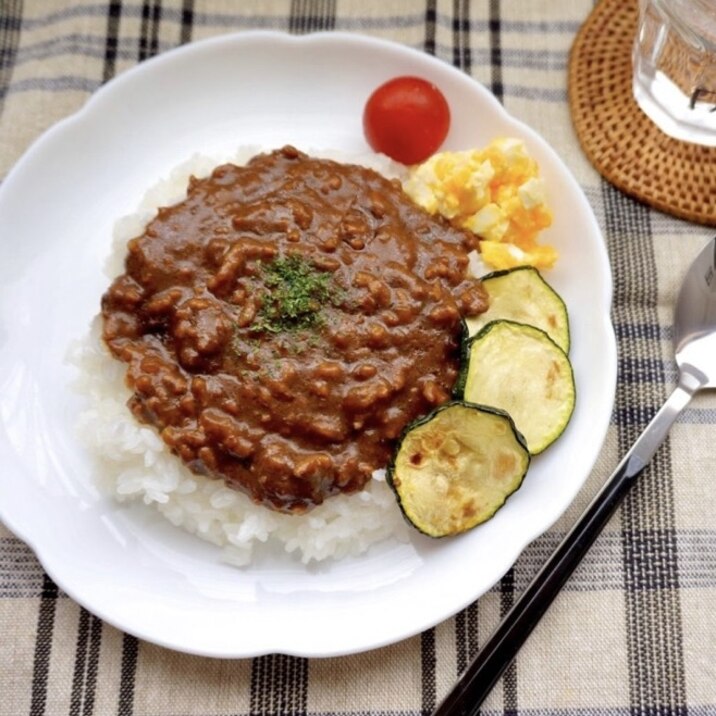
{"x":522,"y":295}
{"x":521,"y":370}
{"x":454,"y":468}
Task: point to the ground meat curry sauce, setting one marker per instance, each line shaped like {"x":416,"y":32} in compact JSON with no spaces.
{"x":284,"y":322}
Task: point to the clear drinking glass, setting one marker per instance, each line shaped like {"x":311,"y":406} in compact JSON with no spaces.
{"x":675,"y":67}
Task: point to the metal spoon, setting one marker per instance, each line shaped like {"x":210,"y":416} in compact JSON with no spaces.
{"x":695,"y":349}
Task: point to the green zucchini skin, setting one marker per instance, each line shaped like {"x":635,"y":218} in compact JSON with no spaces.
{"x":397,"y":481}
{"x":459,"y":387}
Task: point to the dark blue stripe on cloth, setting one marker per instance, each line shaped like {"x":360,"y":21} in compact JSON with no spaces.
{"x":635,"y":415}
{"x":690,"y":416}
{"x":257,"y":20}
{"x":642,"y":331}
{"x":654,"y":636}
{"x":52,"y":84}
{"x":639,"y":370}
{"x":94,"y":46}
{"x":44,"y":632}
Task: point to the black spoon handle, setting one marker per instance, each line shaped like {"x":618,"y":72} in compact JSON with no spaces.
{"x":480,"y":676}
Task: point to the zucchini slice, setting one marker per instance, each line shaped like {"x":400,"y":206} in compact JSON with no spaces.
{"x":521,"y":370}
{"x":522,"y":295}
{"x":455,"y":467}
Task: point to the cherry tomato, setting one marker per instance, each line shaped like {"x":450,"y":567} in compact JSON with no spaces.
{"x":406,"y":118}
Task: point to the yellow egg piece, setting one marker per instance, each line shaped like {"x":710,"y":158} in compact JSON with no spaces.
{"x":500,"y":255}
{"x":496,"y":193}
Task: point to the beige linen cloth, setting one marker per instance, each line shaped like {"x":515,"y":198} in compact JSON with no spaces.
{"x":634,"y":631}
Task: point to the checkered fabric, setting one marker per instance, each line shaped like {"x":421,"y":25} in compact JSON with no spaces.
{"x":633,"y":632}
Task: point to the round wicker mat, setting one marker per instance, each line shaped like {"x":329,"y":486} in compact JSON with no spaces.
{"x":621,"y":142}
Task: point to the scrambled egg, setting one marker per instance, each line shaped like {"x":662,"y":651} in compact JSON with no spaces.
{"x":495,"y":192}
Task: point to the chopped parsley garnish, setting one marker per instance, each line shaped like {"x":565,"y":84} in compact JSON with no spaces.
{"x":294,"y":293}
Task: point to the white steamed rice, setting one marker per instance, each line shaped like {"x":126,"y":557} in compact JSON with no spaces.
{"x":135,"y":464}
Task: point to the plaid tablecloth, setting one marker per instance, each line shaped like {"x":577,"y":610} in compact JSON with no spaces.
{"x":634,"y":631}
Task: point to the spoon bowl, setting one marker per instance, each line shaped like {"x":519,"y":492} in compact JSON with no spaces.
{"x":695,"y":319}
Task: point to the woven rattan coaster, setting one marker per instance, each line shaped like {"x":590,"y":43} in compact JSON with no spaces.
{"x":620,"y":140}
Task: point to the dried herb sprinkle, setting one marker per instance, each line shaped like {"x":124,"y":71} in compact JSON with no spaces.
{"x":294,"y":293}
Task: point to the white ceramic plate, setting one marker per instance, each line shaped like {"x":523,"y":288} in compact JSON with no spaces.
{"x":57,"y":207}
